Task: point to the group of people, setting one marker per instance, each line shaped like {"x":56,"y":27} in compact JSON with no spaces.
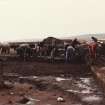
{"x":76,"y":47}
{"x":71,"y":50}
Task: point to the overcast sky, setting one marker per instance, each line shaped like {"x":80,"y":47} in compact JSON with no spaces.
{"x":27,"y":19}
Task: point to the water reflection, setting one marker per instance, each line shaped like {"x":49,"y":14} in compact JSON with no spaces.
{"x":88,"y":90}
{"x":85,"y":87}
{"x":58,"y":79}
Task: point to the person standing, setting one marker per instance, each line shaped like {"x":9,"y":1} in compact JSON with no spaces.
{"x":92,"y":47}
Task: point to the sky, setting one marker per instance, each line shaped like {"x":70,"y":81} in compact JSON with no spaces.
{"x":35,"y":19}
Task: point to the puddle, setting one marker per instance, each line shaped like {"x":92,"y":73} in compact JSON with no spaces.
{"x":86,"y":80}
{"x":80,"y":92}
{"x":31,"y":77}
{"x":80,"y":85}
{"x":92,"y":99}
{"x":73,"y":91}
{"x":85,"y":87}
{"x":58,"y":79}
{"x":86,"y":91}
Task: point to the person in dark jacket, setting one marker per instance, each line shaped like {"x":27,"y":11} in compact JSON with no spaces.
{"x":75,"y":42}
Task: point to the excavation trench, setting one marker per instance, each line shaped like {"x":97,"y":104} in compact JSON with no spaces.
{"x":75,"y":83}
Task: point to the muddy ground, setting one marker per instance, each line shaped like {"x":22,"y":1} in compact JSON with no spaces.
{"x":44,"y":68}
{"x":44,"y":83}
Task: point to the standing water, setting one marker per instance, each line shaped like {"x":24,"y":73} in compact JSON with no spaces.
{"x":86,"y":88}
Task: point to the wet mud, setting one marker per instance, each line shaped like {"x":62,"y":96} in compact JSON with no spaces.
{"x":36,"y":83}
